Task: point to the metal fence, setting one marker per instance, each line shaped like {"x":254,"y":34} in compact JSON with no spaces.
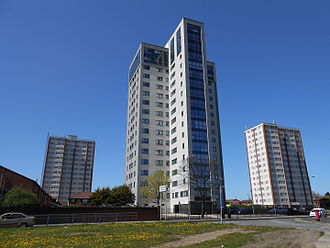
{"x":84,"y":218}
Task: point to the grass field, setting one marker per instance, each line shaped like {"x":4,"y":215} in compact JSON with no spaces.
{"x":120,"y":235}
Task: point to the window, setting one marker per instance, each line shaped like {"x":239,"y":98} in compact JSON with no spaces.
{"x":159,"y":132}
{"x":145,"y":84}
{"x":145,"y":102}
{"x":173,"y":120}
{"x":144,"y":161}
{"x":159,"y":152}
{"x":174,"y":150}
{"x":145,"y":111}
{"x":173,"y":130}
{"x":159,"y":162}
{"x":160,"y":78}
{"x":145,"y":121}
{"x":145,"y":130}
{"x":174,"y":183}
{"x":173,"y":140}
{"x":183,"y":193}
{"x":158,"y":95}
{"x":172,"y":93}
{"x":174,"y":172}
{"x":146,"y":67}
{"x":173,"y":101}
{"x":159,"y":113}
{"x":159,"y":87}
{"x":146,"y":75}
{"x":174,"y":161}
{"x":159,"y":104}
{"x":144,"y":172}
{"x":173,"y":111}
{"x":145,"y":140}
{"x":160,"y":70}
{"x":159,"y":142}
{"x":144,"y":150}
{"x":172,"y":84}
{"x":178,"y":41}
{"x":146,"y":93}
{"x":159,"y":123}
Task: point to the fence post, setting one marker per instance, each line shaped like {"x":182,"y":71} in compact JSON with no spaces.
{"x":47,"y":220}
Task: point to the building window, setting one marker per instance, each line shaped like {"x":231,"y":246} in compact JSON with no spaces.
{"x":178,"y":41}
{"x":159,"y":104}
{"x":159,"y":132}
{"x":159,"y":152}
{"x":144,"y":172}
{"x":173,"y":140}
{"x":145,"y":130}
{"x":146,"y":75}
{"x":159,"y":123}
{"x":145,"y":121}
{"x":145,"y":111}
{"x":159,"y":162}
{"x":145,"y":84}
{"x":159,"y":113}
{"x":174,"y":172}
{"x":145,"y":102}
{"x":145,"y":140}
{"x":174,"y":161}
{"x":144,"y":150}
{"x":146,"y":67}
{"x":174,"y":183}
{"x":144,"y":161}
{"x":160,"y":78}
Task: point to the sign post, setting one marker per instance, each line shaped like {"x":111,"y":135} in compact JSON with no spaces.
{"x":163,"y":189}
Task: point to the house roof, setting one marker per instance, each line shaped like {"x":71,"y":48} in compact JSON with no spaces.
{"x":82,"y":195}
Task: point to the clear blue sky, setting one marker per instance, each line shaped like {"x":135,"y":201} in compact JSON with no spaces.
{"x":63,"y":70}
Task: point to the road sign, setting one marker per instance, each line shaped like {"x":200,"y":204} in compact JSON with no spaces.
{"x":163,"y":188}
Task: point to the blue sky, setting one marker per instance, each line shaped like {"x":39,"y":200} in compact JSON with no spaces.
{"x":63,"y":70}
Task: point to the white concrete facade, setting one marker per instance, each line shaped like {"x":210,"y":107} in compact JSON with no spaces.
{"x":68,"y":167}
{"x":277,"y":166}
{"x":192,"y":117}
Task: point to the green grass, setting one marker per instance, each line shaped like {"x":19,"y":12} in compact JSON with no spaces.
{"x":103,"y":235}
{"x":234,"y":240}
{"x":123,"y":235}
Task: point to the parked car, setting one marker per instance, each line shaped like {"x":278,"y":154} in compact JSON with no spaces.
{"x":278,"y":211}
{"x":322,"y":212}
{"x":245,"y":211}
{"x":16,"y":220}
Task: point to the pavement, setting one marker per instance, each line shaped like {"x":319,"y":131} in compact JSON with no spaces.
{"x":295,"y":222}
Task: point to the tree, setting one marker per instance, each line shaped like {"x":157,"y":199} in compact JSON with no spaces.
{"x":101,"y":197}
{"x":121,"y":196}
{"x":327,"y":194}
{"x":150,"y":191}
{"x":315,"y":194}
{"x":19,"y":197}
{"x":200,"y":175}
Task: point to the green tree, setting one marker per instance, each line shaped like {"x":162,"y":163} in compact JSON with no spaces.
{"x":101,"y":197}
{"x":150,"y":191}
{"x":121,"y":196}
{"x":19,"y":197}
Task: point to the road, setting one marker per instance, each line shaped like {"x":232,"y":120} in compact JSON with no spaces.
{"x":299,"y":223}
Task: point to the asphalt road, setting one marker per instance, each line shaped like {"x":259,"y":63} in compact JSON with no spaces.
{"x":299,"y":223}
